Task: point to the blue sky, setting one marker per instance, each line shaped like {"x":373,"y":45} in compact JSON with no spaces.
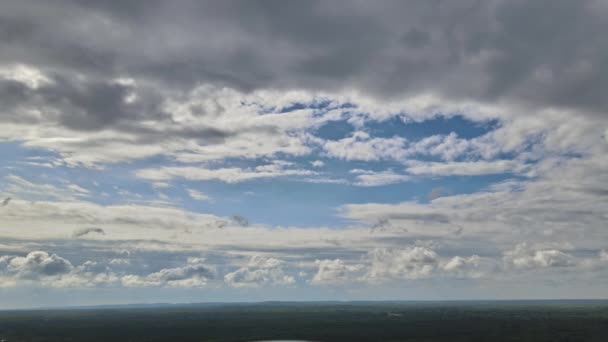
{"x":268,"y":201}
{"x":301,"y":152}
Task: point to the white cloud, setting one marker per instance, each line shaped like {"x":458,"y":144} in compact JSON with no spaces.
{"x":469,"y":267}
{"x":35,"y":265}
{"x":466,"y":168}
{"x":373,"y":178}
{"x":317,"y":163}
{"x":524,"y":256}
{"x":197,"y":195}
{"x":228,"y":175}
{"x":361,"y":146}
{"x":24,"y":188}
{"x":409,"y":263}
{"x":331,"y":272}
{"x":30,"y":76}
{"x":194,"y":274}
{"x":260,"y":271}
{"x":447,"y":147}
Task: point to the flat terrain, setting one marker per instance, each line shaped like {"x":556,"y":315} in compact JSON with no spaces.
{"x":353,"y":321}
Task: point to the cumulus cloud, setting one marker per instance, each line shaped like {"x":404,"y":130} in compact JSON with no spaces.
{"x":473,"y":266}
{"x":260,"y":271}
{"x":524,"y":256}
{"x":334,"y":272}
{"x":35,"y":265}
{"x":361,"y":146}
{"x":194,"y":274}
{"x":447,"y":147}
{"x":409,"y":263}
{"x":47,"y":269}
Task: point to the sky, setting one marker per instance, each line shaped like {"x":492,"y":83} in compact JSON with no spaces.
{"x":215,"y":151}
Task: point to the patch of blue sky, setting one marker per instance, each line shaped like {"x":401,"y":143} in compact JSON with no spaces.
{"x":290,"y":201}
{"x":276,"y":201}
{"x":441,"y":125}
{"x":335,"y":130}
{"x":411,"y":130}
{"x":282,"y":201}
{"x":113,"y":184}
{"x":14,"y":151}
{"x":320,"y":105}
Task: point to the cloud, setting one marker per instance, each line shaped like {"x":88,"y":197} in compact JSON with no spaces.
{"x":372,"y":178}
{"x":35,"y":265}
{"x":197,"y":195}
{"x":223,"y":90}
{"x":603,"y":255}
{"x":6,"y":201}
{"x":361,"y":146}
{"x":331,"y":272}
{"x":25,"y":188}
{"x":259,"y":271}
{"x":228,"y":175}
{"x":409,"y":263}
{"x":381,"y":224}
{"x":317,"y":163}
{"x":194,"y":274}
{"x":466,"y":168}
{"x":473,"y":266}
{"x":447,"y":147}
{"x":524,"y":256}
{"x":240,"y":220}
{"x":85,"y":231}
{"x":505,"y":63}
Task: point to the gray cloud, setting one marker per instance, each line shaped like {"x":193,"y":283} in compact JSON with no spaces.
{"x":541,"y":52}
{"x":6,"y":201}
{"x":96,"y":103}
{"x":240,"y":220}
{"x":85,"y":231}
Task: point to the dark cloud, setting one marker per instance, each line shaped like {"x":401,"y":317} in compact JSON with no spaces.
{"x":381,"y":224}
{"x":239,"y":220}
{"x":544,"y":53}
{"x":85,"y":231}
{"x":425,"y":218}
{"x":384,"y":224}
{"x":6,"y":201}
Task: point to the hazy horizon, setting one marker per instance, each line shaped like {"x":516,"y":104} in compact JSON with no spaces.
{"x":199,"y":151}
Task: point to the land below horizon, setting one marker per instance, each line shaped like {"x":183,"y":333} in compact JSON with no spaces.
{"x":483,"y":320}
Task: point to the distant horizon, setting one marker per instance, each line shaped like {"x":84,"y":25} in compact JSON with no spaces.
{"x":296,"y":302}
